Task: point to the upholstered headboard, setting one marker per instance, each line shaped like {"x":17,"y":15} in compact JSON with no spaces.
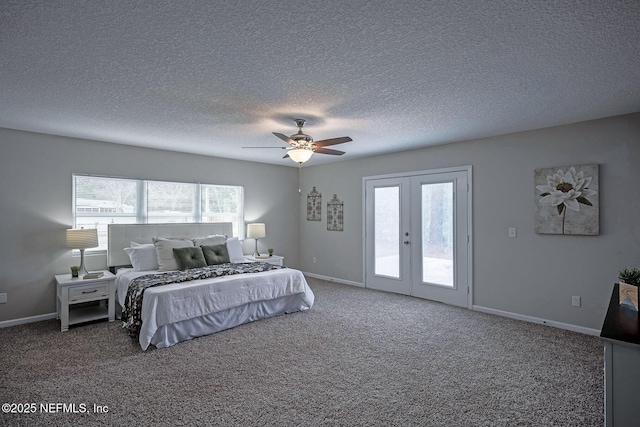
{"x":121,"y":235}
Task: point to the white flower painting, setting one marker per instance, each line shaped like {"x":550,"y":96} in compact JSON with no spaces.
{"x":567,"y":200}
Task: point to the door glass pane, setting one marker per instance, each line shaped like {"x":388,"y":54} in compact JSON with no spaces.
{"x":437,"y":233}
{"x":387,"y":231}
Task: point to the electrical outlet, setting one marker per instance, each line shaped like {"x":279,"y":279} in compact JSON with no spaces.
{"x":314,"y":260}
{"x":512,"y":232}
{"x":575,"y":301}
{"x":3,"y":298}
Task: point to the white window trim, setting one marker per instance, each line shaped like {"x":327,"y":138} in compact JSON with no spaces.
{"x":142,"y":216}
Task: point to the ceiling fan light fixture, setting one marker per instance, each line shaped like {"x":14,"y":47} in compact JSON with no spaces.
{"x":302,"y":146}
{"x":300,"y":155}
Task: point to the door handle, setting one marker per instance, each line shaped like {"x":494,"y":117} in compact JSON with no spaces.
{"x":406,"y":242}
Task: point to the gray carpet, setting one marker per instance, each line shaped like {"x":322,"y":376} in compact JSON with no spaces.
{"x":358,"y":358}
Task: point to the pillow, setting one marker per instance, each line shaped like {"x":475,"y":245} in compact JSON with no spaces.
{"x":189,"y":257}
{"x":217,"y":254}
{"x":143,"y":257}
{"x":234,"y":247}
{"x":214,"y":239}
{"x":164,"y":252}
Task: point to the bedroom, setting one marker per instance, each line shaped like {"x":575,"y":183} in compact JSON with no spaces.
{"x":531,"y":277}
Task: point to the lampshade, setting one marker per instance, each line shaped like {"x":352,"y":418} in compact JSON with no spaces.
{"x":300,"y":155}
{"x":256,"y":230}
{"x":82,"y":238}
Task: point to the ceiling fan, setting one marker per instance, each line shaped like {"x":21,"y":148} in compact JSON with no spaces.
{"x":302,"y":146}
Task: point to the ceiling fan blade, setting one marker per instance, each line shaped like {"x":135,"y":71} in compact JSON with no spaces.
{"x":284,"y":148}
{"x":285,"y":138}
{"x":285,"y":156}
{"x":328,"y":151}
{"x":332,"y":141}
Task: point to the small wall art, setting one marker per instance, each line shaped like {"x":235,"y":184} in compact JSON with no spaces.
{"x":335,"y":214}
{"x":314,"y":206}
{"x":566,"y":200}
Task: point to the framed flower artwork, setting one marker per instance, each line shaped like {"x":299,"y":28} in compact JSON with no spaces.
{"x":566,"y":200}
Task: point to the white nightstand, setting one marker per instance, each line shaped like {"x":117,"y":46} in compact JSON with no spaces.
{"x":273,"y":259}
{"x":76,"y":290}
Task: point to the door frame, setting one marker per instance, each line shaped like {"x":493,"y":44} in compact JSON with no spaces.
{"x":468,"y":169}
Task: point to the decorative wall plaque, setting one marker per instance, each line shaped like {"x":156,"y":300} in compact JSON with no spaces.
{"x":335,"y":214}
{"x":314,"y":206}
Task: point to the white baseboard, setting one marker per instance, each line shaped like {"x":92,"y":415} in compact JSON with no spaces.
{"x":333,"y":279}
{"x":560,"y":325}
{"x":31,"y":319}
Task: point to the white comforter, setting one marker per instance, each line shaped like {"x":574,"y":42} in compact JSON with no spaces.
{"x":163,"y":305}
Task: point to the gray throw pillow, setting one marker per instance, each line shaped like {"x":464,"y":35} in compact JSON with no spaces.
{"x":217,"y":254}
{"x":164,"y":250}
{"x":189,"y":258}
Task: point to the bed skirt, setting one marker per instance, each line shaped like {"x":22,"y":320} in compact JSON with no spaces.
{"x":174,"y":333}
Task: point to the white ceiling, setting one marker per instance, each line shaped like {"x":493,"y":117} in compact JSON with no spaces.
{"x":209,"y":77}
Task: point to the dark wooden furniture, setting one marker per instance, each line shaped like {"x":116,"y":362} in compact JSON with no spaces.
{"x":621,"y":336}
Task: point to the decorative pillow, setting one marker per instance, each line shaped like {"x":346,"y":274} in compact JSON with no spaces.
{"x":214,"y":239}
{"x":217,"y":254}
{"x":189,"y":258}
{"x":234,"y":247}
{"x":164,"y":252}
{"x":143,"y":257}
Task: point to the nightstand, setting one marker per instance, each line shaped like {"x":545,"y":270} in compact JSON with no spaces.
{"x":273,"y":259}
{"x":76,"y":290}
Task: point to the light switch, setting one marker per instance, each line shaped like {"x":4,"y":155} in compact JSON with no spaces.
{"x":512,"y":232}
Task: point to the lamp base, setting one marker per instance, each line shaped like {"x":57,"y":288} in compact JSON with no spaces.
{"x":256,"y":253}
{"x":83,"y":270}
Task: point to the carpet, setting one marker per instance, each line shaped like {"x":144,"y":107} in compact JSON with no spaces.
{"x":358,"y":358}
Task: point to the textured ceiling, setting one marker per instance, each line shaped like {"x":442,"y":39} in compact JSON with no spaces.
{"x":211,"y":77}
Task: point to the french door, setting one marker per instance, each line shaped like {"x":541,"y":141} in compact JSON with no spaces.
{"x":418,"y":236}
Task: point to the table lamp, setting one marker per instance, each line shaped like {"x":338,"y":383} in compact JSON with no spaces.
{"x":82,"y":239}
{"x":256,"y":231}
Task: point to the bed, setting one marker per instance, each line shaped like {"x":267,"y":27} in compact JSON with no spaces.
{"x":198,"y":302}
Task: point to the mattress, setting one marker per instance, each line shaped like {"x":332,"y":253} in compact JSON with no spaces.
{"x":175,"y":312}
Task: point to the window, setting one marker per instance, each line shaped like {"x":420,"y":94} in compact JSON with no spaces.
{"x":170,"y":202}
{"x":222,"y":203}
{"x":99,"y":201}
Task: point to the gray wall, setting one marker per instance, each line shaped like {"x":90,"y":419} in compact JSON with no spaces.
{"x":35,"y":205}
{"x":531,"y":275}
